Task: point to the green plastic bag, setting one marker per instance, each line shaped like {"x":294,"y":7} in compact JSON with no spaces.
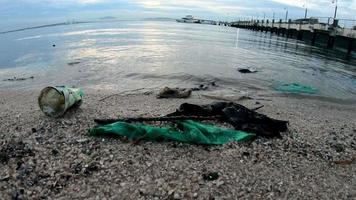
{"x":295,"y":88}
{"x":192,"y":132}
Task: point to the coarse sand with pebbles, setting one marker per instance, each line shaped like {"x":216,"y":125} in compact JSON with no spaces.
{"x":44,"y":158}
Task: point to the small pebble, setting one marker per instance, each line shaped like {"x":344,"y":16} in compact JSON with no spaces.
{"x":195,"y":195}
{"x":246,"y":154}
{"x":176,"y":196}
{"x":211,"y":176}
{"x":55,"y":152}
{"x":339,"y":148}
{"x":220,"y":183}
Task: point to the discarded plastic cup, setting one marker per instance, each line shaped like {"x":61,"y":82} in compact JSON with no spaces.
{"x":55,"y":101}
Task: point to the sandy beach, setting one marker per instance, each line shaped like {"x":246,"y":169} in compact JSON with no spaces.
{"x":44,"y":158}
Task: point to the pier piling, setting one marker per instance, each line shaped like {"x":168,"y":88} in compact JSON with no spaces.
{"x":330,"y":34}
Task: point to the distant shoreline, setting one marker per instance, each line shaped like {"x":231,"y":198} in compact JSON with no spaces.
{"x":83,"y":22}
{"x":42,"y":26}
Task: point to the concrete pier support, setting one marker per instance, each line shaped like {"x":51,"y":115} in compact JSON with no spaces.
{"x":313,"y":38}
{"x":330,"y":38}
{"x":331,"y":42}
{"x":300,"y":35}
{"x":350,"y":46}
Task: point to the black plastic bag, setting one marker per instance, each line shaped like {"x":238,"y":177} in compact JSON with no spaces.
{"x":240,"y":117}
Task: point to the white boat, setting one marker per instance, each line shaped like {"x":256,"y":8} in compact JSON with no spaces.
{"x":188,"y":19}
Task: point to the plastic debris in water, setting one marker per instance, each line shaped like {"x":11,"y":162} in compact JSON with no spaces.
{"x":246,"y":70}
{"x":295,"y":88}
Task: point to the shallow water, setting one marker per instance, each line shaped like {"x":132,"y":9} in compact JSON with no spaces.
{"x":128,"y":55}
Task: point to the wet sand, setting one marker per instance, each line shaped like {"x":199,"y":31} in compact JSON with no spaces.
{"x":43,"y":158}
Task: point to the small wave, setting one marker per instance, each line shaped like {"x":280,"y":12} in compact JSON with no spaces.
{"x":345,"y":101}
{"x":30,"y":38}
{"x":197,"y":80}
{"x":41,"y":26}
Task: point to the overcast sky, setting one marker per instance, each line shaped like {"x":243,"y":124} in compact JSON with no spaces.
{"x":136,"y":9}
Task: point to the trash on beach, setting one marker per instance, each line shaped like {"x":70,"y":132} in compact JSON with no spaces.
{"x":155,"y":119}
{"x":240,"y":117}
{"x":55,"y":101}
{"x":295,"y":88}
{"x":346,"y":162}
{"x":206,"y":86}
{"x":246,"y":70}
{"x":174,"y":93}
{"x":186,"y":131}
{"x":211,"y":176}
{"x":19,"y":79}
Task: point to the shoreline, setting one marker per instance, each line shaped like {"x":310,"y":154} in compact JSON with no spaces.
{"x":55,"y":158}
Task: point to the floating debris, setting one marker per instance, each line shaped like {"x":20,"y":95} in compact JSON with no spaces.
{"x":73,"y":63}
{"x":295,"y":88}
{"x":246,"y":70}
{"x":19,"y":79}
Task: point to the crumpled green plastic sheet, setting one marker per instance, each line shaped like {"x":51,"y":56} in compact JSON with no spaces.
{"x":295,"y":88}
{"x":190,"y":132}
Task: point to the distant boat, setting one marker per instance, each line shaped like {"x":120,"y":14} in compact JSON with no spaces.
{"x":188,"y":19}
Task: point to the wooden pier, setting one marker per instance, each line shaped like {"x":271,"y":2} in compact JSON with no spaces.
{"x":329,"y":35}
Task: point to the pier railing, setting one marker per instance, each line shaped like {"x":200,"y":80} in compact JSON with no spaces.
{"x":343,"y":31}
{"x":340,"y":27}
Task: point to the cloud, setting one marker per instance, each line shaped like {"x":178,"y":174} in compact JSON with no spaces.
{"x":214,"y":9}
{"x":206,"y":5}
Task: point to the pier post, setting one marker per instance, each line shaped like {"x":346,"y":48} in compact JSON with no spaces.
{"x":288,"y":28}
{"x":350,"y":47}
{"x":331,"y":42}
{"x":300,"y":35}
{"x":313,"y":38}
